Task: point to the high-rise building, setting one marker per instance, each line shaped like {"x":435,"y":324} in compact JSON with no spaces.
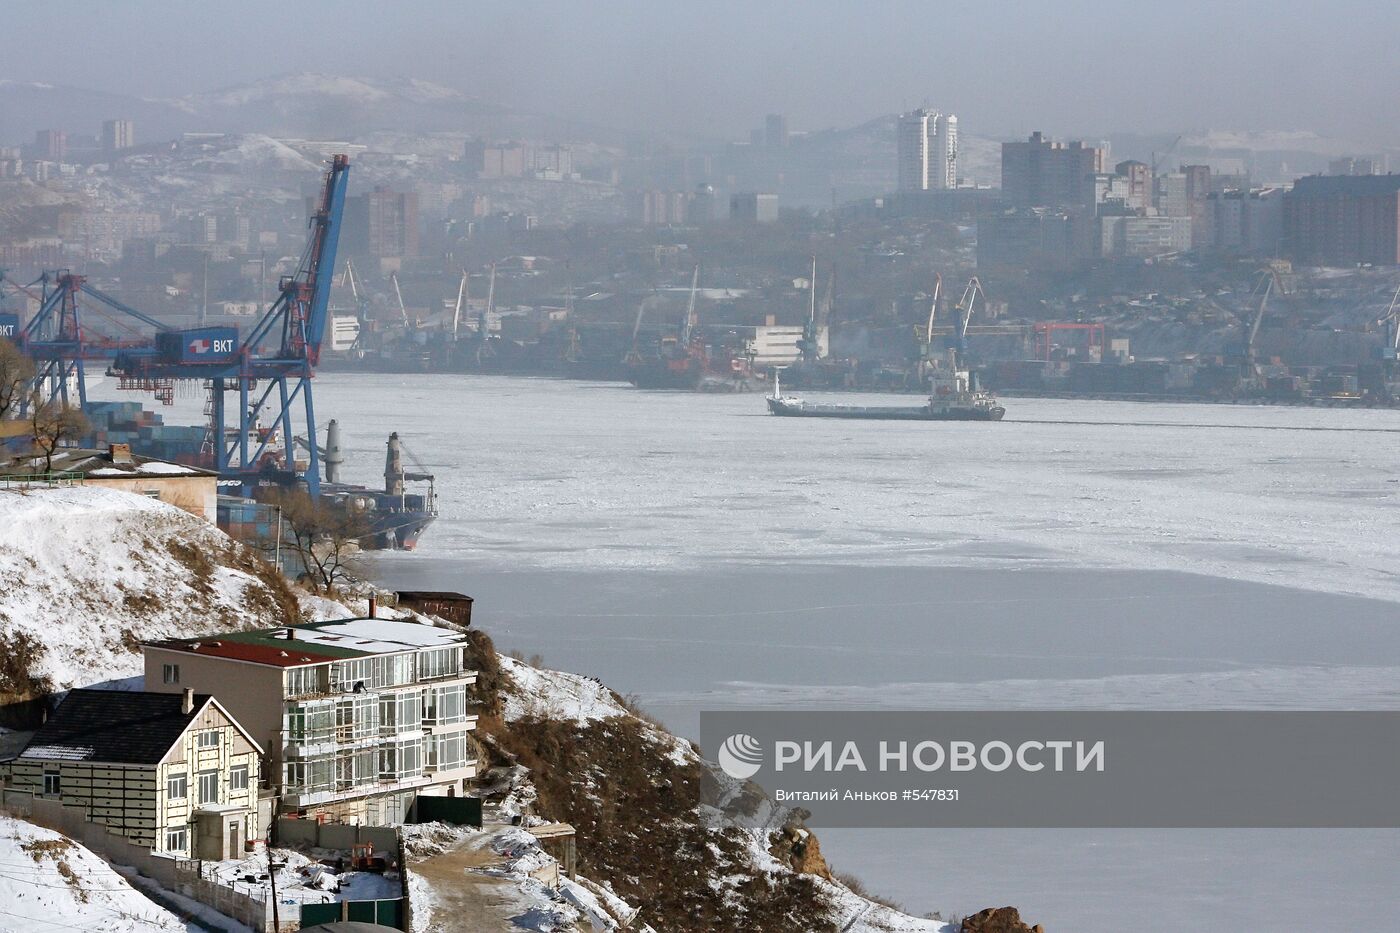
{"x":753,"y":208}
{"x":117,"y":135}
{"x":927,"y":151}
{"x":51,"y":145}
{"x":382,"y":224}
{"x":1351,"y":165}
{"x":1041,"y":173}
{"x":775,"y":131}
{"x":1139,"y":183}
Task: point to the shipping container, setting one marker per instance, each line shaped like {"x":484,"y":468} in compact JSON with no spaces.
{"x":199,"y":345}
{"x":9,"y":326}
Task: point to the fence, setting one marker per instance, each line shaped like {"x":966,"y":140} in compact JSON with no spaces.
{"x":181,"y":876}
{"x":25,"y":480}
{"x":387,"y":913}
{"x":458,"y":811}
{"x":291,"y":831}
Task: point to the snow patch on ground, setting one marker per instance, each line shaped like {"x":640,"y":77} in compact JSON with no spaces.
{"x":48,"y":882}
{"x":556,"y":695}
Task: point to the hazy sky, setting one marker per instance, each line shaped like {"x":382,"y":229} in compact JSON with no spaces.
{"x":1072,"y":66}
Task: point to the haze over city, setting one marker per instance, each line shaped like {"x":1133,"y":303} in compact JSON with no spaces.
{"x":1085,"y":67}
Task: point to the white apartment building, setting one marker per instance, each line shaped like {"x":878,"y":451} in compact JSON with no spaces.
{"x":358,"y":716}
{"x":927,"y":148}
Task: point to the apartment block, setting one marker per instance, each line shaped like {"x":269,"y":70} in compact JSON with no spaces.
{"x":1342,"y":220}
{"x":358,"y":716}
{"x":1042,"y":173}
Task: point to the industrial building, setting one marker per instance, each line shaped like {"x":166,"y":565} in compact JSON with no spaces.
{"x":359,"y":716}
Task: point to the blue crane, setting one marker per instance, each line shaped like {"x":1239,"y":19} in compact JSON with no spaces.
{"x":270,"y":369}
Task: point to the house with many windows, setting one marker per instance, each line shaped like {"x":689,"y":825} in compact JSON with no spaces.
{"x":359,"y":716}
{"x":170,"y":771}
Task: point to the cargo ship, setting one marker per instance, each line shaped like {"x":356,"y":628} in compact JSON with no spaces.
{"x":953,"y":396}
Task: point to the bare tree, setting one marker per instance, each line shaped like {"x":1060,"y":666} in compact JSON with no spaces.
{"x":51,"y":424}
{"x":325,"y":536}
{"x":15,"y":372}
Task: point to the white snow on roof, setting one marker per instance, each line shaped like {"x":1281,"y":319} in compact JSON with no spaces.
{"x":379,"y":636}
{"x":58,"y":752}
{"x":161,"y":467}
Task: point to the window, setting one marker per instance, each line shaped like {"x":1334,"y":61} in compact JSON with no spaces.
{"x":309,"y":776}
{"x":176,"y":839}
{"x":208,"y":739}
{"x":346,"y":676}
{"x":444,"y":705}
{"x":307,"y":681}
{"x":208,"y":787}
{"x":238,"y":778}
{"x":353,"y":768}
{"x":401,"y":712}
{"x":438,"y":662}
{"x":52,"y":784}
{"x":449,"y":752}
{"x":401,"y":760}
{"x":310,"y":723}
{"x":170,"y":673}
{"x":176,"y":786}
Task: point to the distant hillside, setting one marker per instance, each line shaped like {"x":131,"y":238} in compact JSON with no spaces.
{"x":302,"y":104}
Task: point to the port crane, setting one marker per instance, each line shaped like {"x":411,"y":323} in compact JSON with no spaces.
{"x":817,"y":315}
{"x":964,"y":309}
{"x":457,"y":308}
{"x":688,"y":326}
{"x":278,"y":356}
{"x":932,"y":313}
{"x":1390,"y":352}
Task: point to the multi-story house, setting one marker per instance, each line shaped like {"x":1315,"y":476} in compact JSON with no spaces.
{"x":359,"y":716}
{"x":174,"y":772}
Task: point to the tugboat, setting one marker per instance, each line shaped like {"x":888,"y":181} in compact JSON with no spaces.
{"x":953,"y":396}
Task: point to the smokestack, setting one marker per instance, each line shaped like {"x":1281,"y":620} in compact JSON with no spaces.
{"x":187,"y":700}
{"x":373,"y":606}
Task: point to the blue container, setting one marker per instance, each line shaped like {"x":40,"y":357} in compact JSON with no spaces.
{"x":9,"y":326}
{"x":199,"y":345}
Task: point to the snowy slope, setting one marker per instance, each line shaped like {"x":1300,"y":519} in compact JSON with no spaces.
{"x":48,"y":882}
{"x":534,"y":693}
{"x":87,"y":573}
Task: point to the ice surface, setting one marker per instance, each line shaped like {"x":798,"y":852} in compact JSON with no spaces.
{"x":1018,"y":563}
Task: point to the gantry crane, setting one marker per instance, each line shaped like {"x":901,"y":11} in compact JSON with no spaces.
{"x":278,"y":356}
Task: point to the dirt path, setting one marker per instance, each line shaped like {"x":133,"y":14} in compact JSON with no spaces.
{"x":466,"y":901}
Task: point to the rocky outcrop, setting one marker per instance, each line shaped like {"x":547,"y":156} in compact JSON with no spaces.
{"x":998,"y":920}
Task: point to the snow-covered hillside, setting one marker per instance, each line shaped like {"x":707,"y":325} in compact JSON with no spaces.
{"x":87,"y":573}
{"x":747,"y":848}
{"x":49,"y":882}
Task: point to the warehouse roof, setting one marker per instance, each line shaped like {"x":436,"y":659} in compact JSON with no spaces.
{"x":117,"y":726}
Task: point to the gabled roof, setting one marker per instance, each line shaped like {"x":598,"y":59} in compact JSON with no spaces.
{"x":117,"y":727}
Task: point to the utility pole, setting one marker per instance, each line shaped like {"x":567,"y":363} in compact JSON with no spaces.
{"x":272,"y":881}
